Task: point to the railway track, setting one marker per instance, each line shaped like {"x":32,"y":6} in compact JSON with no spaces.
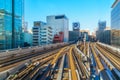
{"x":97,"y":63}
{"x":23,"y":57}
{"x":83,"y":73}
{"x":52,"y":70}
{"x":115,"y":72}
{"x":15,"y":61}
{"x":13,"y":58}
{"x":115,"y":53}
{"x":65,"y":67}
{"x":102,"y":70}
{"x":68,"y":63}
{"x":112,"y":58}
{"x":33,"y":68}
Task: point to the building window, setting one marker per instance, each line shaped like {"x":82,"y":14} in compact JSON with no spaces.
{"x":59,"y":17}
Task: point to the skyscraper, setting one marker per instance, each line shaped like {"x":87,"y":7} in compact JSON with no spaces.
{"x":115,"y":15}
{"x":101,"y":28}
{"x":115,"y":23}
{"x":11,"y":14}
{"x":59,"y":23}
{"x":101,"y":25}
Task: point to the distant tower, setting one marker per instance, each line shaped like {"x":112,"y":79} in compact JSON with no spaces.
{"x":101,"y":25}
{"x":76,"y":26}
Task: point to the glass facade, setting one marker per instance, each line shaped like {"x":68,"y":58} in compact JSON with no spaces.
{"x":101,"y":25}
{"x":11,"y":13}
{"x":115,"y":17}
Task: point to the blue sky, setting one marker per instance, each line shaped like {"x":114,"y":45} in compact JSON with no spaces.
{"x":87,"y":12}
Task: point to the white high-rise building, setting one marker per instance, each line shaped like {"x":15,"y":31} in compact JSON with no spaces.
{"x":59,"y":23}
{"x":42,"y":33}
{"x":46,"y":35}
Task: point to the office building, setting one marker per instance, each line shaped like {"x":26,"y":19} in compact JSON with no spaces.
{"x":46,"y":35}
{"x":73,"y":35}
{"x":42,"y":33}
{"x":36,"y":32}
{"x":115,"y":23}
{"x":101,"y":25}
{"x":104,"y":36}
{"x":58,"y":38}
{"x":99,"y":35}
{"x":84,"y":34}
{"x":27,"y":39}
{"x":115,"y":15}
{"x":111,"y":37}
{"x":59,"y":23}
{"x":101,"y":28}
{"x":107,"y":28}
{"x":115,"y":37}
{"x":11,"y":14}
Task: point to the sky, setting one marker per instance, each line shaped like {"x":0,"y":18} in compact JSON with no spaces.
{"x":87,"y":12}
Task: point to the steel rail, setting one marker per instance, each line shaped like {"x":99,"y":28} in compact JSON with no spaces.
{"x":110,"y":57}
{"x":60,"y":72}
{"x":72,"y":65}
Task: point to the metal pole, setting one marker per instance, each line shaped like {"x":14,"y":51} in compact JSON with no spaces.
{"x":84,"y":42}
